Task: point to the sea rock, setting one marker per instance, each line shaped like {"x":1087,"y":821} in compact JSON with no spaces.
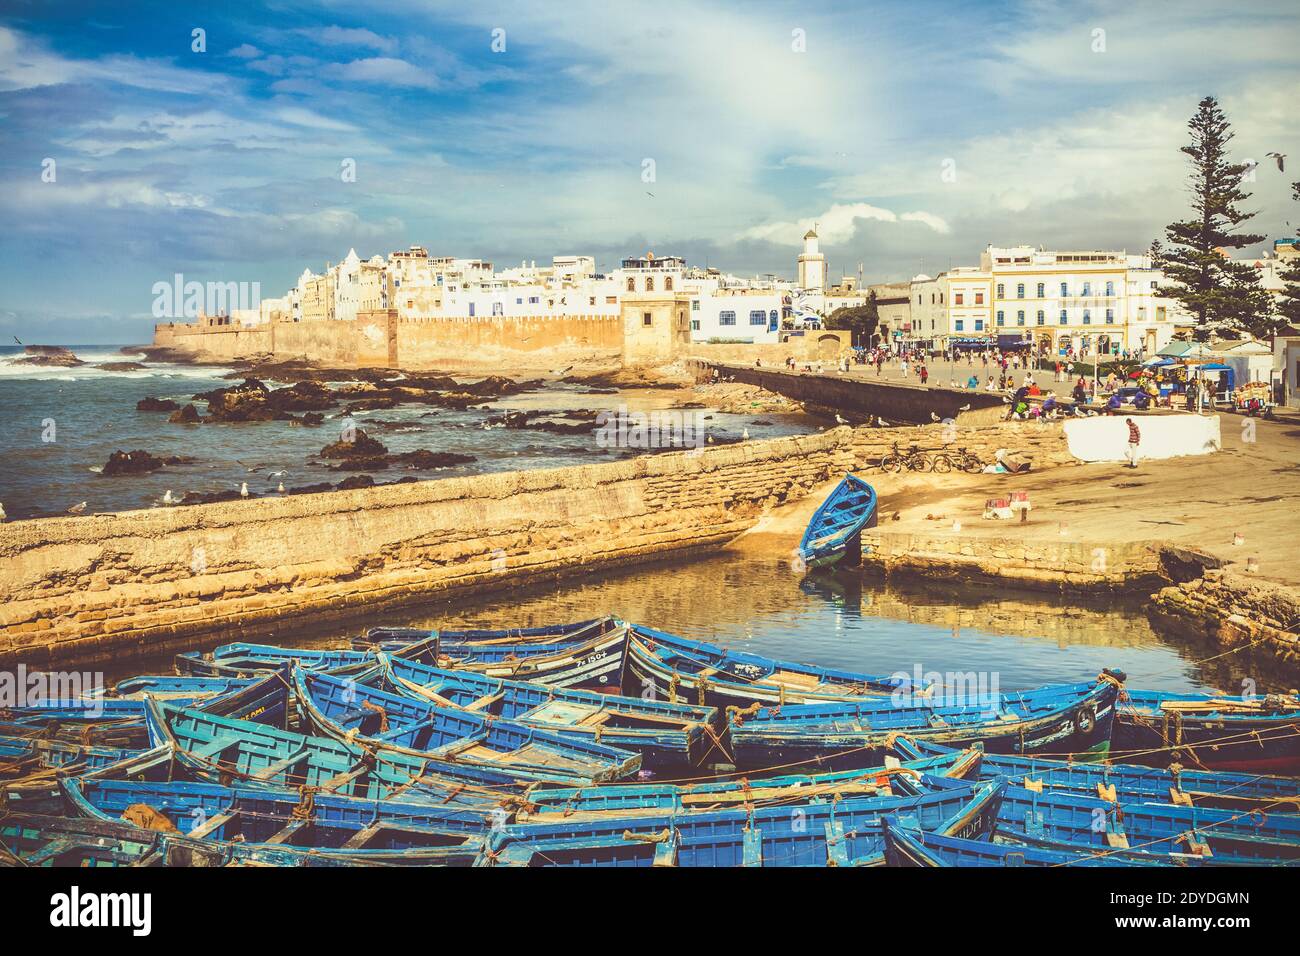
{"x":120,"y":366}
{"x":368,"y":463}
{"x":151,"y":404}
{"x":362,"y":446}
{"x":356,"y":481}
{"x":49,"y":355}
{"x":252,"y":401}
{"x":189,"y":415}
{"x":136,"y":463}
{"x":425,"y":460}
{"x":373,"y":404}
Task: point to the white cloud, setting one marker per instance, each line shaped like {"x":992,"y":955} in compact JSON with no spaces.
{"x":348,"y":36}
{"x":386,"y":70}
{"x":838,"y":224}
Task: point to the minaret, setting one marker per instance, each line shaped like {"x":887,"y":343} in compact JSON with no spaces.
{"x":812,"y":264}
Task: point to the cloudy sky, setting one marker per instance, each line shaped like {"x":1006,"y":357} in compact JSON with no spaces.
{"x":915,"y":133}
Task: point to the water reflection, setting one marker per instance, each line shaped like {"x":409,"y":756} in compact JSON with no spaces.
{"x":847,"y":619}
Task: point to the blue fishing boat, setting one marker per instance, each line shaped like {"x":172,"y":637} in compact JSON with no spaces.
{"x":817,"y":833}
{"x":243,"y":660}
{"x":1256,"y":734}
{"x":1067,"y":719}
{"x":287,"y":818}
{"x":226,"y":750}
{"x":834,"y":532}
{"x":1129,"y":782}
{"x":395,"y":639}
{"x":909,"y":847}
{"x":40,"y":840}
{"x":893,"y":778}
{"x":1057,"y":820}
{"x":667,"y":735}
{"x":676,"y":668}
{"x":364,"y":715}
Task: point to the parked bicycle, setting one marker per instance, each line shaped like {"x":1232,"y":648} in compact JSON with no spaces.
{"x":912,"y":460}
{"x":961,"y":460}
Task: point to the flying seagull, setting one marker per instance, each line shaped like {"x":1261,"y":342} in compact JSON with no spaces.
{"x":1280,"y":158}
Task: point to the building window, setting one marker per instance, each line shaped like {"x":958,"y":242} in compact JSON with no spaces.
{"x":1110,"y":288}
{"x":1041,"y":290}
{"x":726,"y":318}
{"x":1065,"y":288}
{"x":958,"y":324}
{"x":979,"y":325}
{"x":498,"y":308}
{"x":1087,"y":317}
{"x":631,"y":285}
{"x":1001,"y":319}
{"x":533,"y":300}
{"x":1087,"y":288}
{"x":772,"y":317}
{"x":649,"y":283}
{"x":758,"y":317}
{"x":956,"y":299}
{"x":1020,"y":317}
{"x":471,"y":308}
{"x":591,"y":300}
{"x":695,"y":325}
{"x":647,"y":318}
{"x":1002,"y":290}
{"x":1110,"y":316}
{"x":1020,"y":290}
{"x":695,"y":305}
{"x":1042,"y":318}
{"x":668,"y":283}
{"x":1063,"y":319}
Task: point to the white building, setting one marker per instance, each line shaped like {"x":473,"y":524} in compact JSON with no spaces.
{"x":738,"y":316}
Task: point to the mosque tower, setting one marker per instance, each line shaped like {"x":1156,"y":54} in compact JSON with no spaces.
{"x":812,"y":264}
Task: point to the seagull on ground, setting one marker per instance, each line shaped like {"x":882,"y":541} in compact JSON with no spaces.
{"x":744,"y":434}
{"x":965,"y":408}
{"x":3,"y":516}
{"x":243,"y":490}
{"x":840,"y":419}
{"x":77,"y":509}
{"x":281,"y":488}
{"x":168,"y":498}
{"x":935,"y":418}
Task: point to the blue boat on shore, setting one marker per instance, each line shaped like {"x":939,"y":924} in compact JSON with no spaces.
{"x":834,"y":532}
{"x":399,"y":640}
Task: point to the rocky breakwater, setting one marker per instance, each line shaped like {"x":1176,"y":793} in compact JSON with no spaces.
{"x":53,"y":356}
{"x":81,"y":588}
{"x":1236,"y":610}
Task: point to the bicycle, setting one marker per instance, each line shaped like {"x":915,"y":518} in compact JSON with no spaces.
{"x":961,"y":459}
{"x":913,"y":460}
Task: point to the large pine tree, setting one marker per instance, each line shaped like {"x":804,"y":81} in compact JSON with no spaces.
{"x":1225,"y":297}
{"x":1289,"y":308}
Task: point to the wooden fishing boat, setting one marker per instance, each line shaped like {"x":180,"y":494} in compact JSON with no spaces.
{"x":395,"y":639}
{"x":37,"y":840}
{"x":244,"y":660}
{"x":817,"y":833}
{"x":1129,"y":782}
{"x":678,"y":669}
{"x":176,"y":689}
{"x":1210,"y":732}
{"x":357,"y":713}
{"x":891,"y":778}
{"x":834,"y":532}
{"x":908,"y":847}
{"x":224,"y":750}
{"x":1066,"y":719}
{"x":1054,"y":819}
{"x":666,"y":735}
{"x":30,"y":770}
{"x":286,"y":818}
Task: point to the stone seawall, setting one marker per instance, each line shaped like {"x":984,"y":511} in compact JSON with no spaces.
{"x":1235,"y":610}
{"x":108,"y":584}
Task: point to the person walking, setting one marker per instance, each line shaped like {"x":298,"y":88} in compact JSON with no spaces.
{"x":1134,"y":440}
{"x":924,"y":372}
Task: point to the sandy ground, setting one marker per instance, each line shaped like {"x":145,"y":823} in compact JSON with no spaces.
{"x":1249,"y":488}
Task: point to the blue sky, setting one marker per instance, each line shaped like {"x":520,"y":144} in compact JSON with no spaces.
{"x":224,"y":165}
